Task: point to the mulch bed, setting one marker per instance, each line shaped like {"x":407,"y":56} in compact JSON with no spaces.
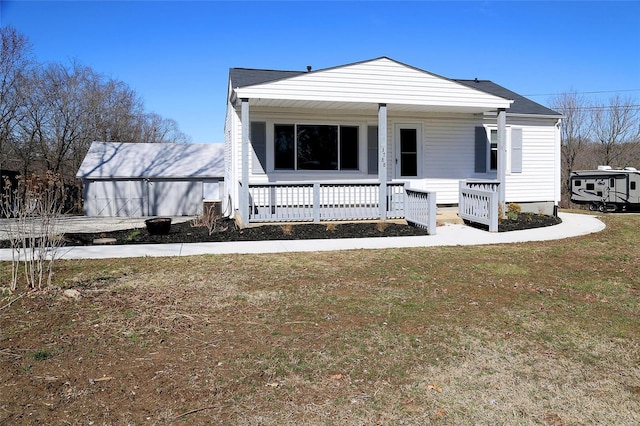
{"x":226,"y":230}
{"x":524,"y":221}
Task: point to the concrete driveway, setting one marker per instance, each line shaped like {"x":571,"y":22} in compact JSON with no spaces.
{"x":67,"y":224}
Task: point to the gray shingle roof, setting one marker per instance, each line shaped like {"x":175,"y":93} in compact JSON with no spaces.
{"x":521,"y":105}
{"x":242,"y":77}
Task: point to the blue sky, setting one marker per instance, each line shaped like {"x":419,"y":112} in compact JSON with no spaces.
{"x":176,"y":54}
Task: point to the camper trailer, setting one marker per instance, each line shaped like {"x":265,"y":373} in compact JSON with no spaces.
{"x":606,"y":189}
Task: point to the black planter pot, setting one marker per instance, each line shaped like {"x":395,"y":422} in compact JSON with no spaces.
{"x":158,"y":225}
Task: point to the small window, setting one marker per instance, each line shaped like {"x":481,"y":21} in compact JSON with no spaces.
{"x":577,"y":182}
{"x":632,"y":185}
{"x":612,"y":183}
{"x":591,"y":186}
{"x":599,"y":193}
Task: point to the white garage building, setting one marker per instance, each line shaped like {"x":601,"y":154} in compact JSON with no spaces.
{"x":140,"y":179}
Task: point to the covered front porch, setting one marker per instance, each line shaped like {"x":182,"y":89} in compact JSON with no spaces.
{"x":358,"y":143}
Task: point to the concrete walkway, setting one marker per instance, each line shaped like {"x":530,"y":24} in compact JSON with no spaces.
{"x":448,"y":235}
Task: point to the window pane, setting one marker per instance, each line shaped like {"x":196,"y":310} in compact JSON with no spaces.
{"x":283,"y":146}
{"x":348,"y":148}
{"x":408,"y":165}
{"x":317,"y":147}
{"x":494,"y":150}
{"x":409,"y":140}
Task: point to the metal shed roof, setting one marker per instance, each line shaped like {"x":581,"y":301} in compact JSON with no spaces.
{"x":152,"y":160}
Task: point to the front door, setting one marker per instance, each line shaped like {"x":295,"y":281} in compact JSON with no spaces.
{"x":408,"y":144}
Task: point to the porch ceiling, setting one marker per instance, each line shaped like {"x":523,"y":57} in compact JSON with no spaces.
{"x":364,"y":106}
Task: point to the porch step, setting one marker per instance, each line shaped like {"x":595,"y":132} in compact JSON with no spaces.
{"x":448,"y":215}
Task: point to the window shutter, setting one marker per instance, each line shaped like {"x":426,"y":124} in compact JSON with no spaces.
{"x":482,"y":144}
{"x":372,"y":150}
{"x":259,"y":144}
{"x":516,"y":150}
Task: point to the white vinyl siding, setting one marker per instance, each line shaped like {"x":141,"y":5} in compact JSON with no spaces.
{"x":230,"y":152}
{"x":536,"y":182}
{"x":377,"y":81}
{"x":449,"y":148}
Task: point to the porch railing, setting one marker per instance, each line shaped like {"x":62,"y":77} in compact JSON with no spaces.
{"x":315,"y":202}
{"x":420,"y":209}
{"x":478,"y":202}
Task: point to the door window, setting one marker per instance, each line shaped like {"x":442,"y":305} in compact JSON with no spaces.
{"x":408,"y":146}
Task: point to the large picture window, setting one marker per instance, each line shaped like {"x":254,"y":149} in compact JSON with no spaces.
{"x":315,"y":147}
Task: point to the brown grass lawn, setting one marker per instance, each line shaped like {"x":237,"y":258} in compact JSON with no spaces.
{"x":521,"y":334}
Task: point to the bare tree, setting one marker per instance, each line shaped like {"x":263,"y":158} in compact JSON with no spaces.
{"x":575,"y":131}
{"x":616,"y":127}
{"x":50,"y":113}
{"x":154,"y":129}
{"x":15,"y":60}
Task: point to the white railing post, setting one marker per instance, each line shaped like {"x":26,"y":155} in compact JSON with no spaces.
{"x":494,"y":201}
{"x":432,"y":209}
{"x":461,"y":198}
{"x":316,"y":202}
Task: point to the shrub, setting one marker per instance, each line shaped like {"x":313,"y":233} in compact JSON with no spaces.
{"x":209,"y":218}
{"x":34,"y":207}
{"x":381,"y":226}
{"x":514,"y":208}
{"x":287,"y":229}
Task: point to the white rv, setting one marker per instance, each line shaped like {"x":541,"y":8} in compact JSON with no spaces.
{"x":606,"y":189}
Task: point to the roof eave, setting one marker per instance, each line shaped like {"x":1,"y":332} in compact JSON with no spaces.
{"x":523,"y":115}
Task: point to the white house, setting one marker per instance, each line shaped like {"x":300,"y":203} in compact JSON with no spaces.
{"x":151,"y":179}
{"x":375,"y":127}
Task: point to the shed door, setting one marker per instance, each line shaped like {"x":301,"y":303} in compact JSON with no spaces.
{"x":121,"y":198}
{"x":408,"y":148}
{"x":175,"y":198}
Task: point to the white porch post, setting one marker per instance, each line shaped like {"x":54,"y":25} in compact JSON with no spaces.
{"x":557,"y":173}
{"x":244,"y":190}
{"x":382,"y":159}
{"x":502,"y":156}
